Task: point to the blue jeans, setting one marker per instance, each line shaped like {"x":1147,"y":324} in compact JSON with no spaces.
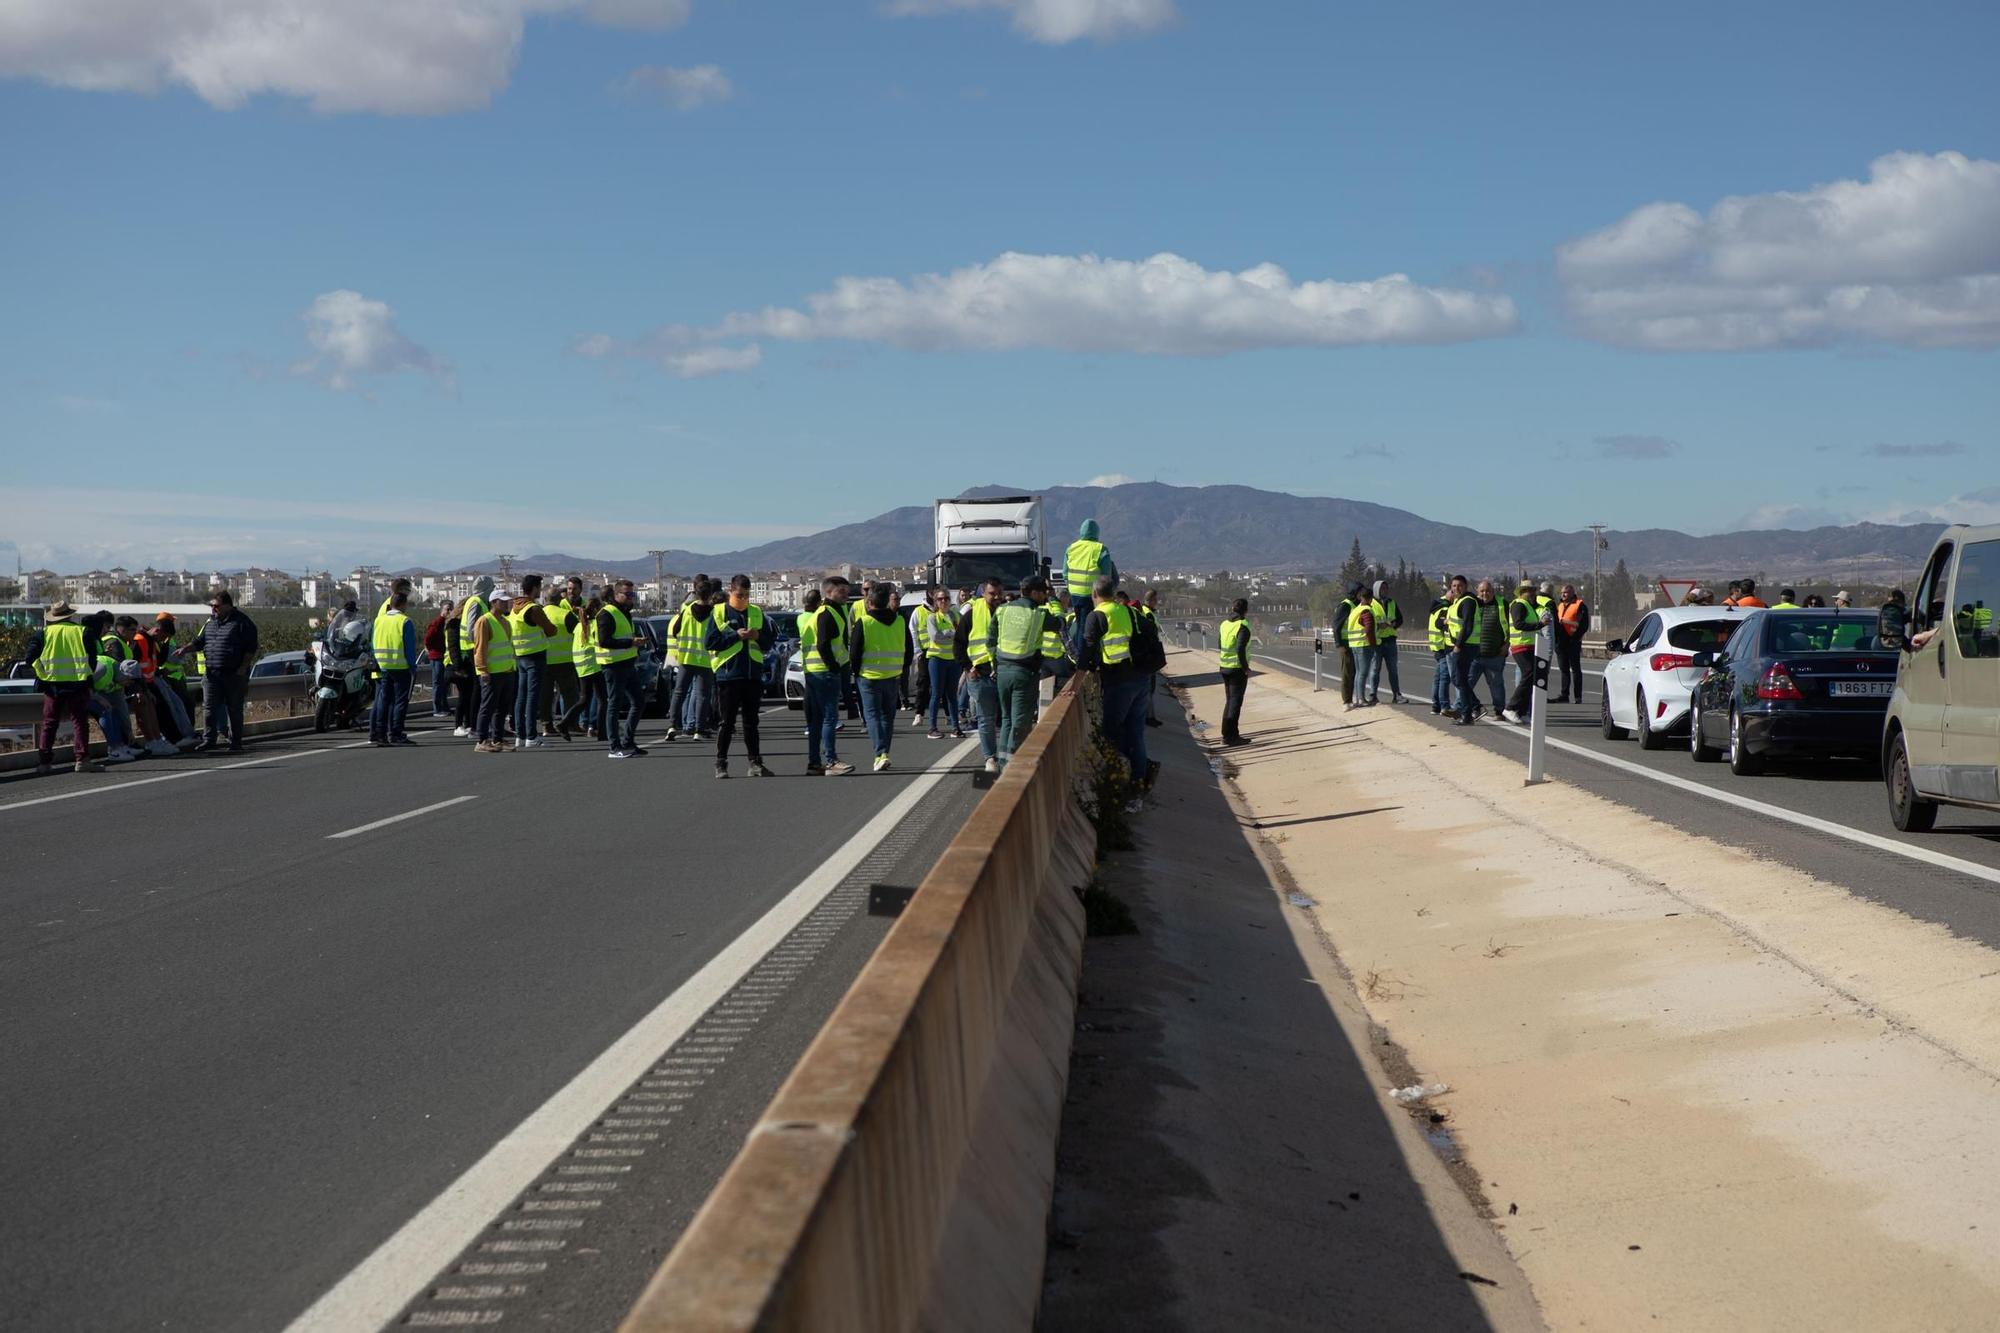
{"x":822,"y":716}
{"x":1367,"y":671}
{"x":531,"y":682}
{"x":440,"y":688}
{"x":985,"y":694}
{"x":1472,"y":670}
{"x":622,"y":705}
{"x":1125,"y":720}
{"x":878,"y":706}
{"x":1385,"y":660}
{"x":109,"y":721}
{"x":1443,"y":676}
{"x":392,"y":707}
{"x":944,"y":692}
{"x":692,"y":708}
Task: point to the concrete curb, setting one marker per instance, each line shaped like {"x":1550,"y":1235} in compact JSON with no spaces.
{"x":902,"y":1175}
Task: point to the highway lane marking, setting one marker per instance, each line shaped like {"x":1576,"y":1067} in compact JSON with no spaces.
{"x":1817,"y":825}
{"x":398,"y":1271}
{"x":1327,"y":674}
{"x":171,"y":777}
{"x":397,"y":819}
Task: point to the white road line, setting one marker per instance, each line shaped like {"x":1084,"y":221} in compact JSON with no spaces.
{"x":395,"y":1274}
{"x":1828,"y":827}
{"x":169,"y":777}
{"x":1330,"y":671}
{"x":407,"y":814}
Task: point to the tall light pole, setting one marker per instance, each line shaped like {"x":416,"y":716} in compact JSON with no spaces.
{"x":659,"y":577}
{"x":1597,"y":547}
{"x":506,"y":570}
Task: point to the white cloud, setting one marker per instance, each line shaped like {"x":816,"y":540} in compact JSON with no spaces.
{"x":1790,"y":517}
{"x":1103,"y":480}
{"x":354,"y":338}
{"x":682,"y":89}
{"x":1163,"y":306}
{"x":397,"y":57}
{"x":1911,"y":256}
{"x":1057,"y":21}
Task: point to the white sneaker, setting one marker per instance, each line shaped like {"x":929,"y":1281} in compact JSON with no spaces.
{"x":186,"y":743}
{"x":158,"y":746}
{"x":461,"y":732}
{"x":1509,"y":715}
{"x":881,"y":762}
{"x":535,"y":743}
{"x":618,"y":754}
{"x":520,"y":744}
{"x":992,"y":765}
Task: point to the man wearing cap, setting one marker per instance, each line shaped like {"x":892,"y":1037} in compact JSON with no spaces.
{"x":1524,"y":622}
{"x":64,"y":653}
{"x":229,"y":646}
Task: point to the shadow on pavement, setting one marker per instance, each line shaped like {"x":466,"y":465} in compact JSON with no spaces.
{"x":1226,"y":1159}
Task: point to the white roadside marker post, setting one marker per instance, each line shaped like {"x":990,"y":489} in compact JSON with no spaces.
{"x":1316,"y":653}
{"x":1538,"y":724}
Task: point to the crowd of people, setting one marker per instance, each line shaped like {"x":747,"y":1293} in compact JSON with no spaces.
{"x":542,"y":664}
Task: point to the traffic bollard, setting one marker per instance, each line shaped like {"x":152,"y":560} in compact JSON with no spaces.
{"x":1316,"y":653}
{"x":1538,"y":722}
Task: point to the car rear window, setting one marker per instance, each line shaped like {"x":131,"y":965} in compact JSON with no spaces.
{"x":1701,"y":636}
{"x":1821,"y":634}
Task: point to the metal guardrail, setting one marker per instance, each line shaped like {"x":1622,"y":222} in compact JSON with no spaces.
{"x":19,"y":708}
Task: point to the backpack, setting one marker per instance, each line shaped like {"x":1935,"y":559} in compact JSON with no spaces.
{"x":1148,"y":653}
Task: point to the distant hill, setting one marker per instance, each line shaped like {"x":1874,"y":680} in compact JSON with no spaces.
{"x":1152,"y":525}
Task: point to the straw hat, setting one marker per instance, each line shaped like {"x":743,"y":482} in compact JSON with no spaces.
{"x":60,"y":611}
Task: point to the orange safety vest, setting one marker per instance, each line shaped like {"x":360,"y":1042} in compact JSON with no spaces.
{"x":1749,"y":601}
{"x":1569,"y":611}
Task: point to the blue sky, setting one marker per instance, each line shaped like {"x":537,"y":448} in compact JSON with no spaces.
{"x":487,"y":252}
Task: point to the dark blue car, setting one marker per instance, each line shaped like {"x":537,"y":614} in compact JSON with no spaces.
{"x":1808,"y":683}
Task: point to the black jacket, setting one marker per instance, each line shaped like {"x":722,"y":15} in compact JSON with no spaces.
{"x":856,"y":645}
{"x":1095,"y":627}
{"x":34,"y":650}
{"x":229,"y":646}
{"x":739,"y":667}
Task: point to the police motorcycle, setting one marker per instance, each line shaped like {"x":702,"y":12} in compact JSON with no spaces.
{"x":341,"y":696}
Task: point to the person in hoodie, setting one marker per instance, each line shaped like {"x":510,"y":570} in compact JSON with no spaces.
{"x":738,"y":638}
{"x":1086,"y":561}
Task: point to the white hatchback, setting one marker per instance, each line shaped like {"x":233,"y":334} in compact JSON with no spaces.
{"x":1649,"y":678}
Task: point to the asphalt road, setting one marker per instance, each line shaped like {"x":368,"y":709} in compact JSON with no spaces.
{"x":241,"y":1052}
{"x":1852,"y":843}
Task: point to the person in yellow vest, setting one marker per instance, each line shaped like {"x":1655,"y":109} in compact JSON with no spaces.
{"x":1107,"y":650}
{"x":1437,"y":634}
{"x":393,"y":646}
{"x":879,"y":647}
{"x":1524,"y":624}
{"x":533,"y":632}
{"x":1359,"y":636}
{"x":738,"y":637}
{"x":1020,"y":628}
{"x":1232,"y":638}
{"x":587,"y":713}
{"x":1086,"y":561}
{"x":691,"y":711}
{"x":972,"y":648}
{"x":562,"y":693}
{"x":1388,"y":625}
{"x":618,"y":659}
{"x":458,"y":660}
{"x":493,"y":663}
{"x":64,"y":653}
{"x":937,"y":635}
{"x":823,"y":633}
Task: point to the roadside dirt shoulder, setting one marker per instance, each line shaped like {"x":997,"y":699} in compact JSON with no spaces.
{"x":1698,"y":1089}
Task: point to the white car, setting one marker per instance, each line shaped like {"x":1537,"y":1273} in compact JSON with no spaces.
{"x":1649,"y":678}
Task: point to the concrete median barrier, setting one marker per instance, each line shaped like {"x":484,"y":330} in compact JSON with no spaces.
{"x":901,"y":1176}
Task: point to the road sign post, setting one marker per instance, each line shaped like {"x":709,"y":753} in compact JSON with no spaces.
{"x":1538,"y":701}
{"x":1316,"y":653}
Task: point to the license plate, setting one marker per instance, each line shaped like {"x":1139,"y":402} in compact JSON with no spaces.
{"x":1868,"y":689}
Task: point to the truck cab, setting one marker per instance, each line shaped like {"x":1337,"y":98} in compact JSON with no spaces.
{"x":997,"y":537}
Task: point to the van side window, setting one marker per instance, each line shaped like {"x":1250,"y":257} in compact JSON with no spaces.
{"x":1927,"y":609}
{"x":1976,"y":595}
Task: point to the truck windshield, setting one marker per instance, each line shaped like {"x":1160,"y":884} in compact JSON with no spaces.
{"x":969,"y":569}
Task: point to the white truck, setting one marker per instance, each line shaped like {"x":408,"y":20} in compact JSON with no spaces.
{"x":996,"y":537}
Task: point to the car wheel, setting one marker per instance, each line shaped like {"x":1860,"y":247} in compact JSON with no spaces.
{"x":1741,"y":762}
{"x":1698,"y":745}
{"x":1612,"y":731}
{"x":1909,"y":812}
{"x":1648,"y":738}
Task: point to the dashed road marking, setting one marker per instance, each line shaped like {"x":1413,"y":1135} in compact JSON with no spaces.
{"x":397,"y":819}
{"x":389,"y":1279}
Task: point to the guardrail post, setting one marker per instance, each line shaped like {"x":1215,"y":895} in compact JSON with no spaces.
{"x":1538,"y":723}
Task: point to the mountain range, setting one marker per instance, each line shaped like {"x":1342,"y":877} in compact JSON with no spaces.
{"x":1150,"y":525}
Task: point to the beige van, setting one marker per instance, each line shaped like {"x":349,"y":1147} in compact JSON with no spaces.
{"x":1941,"y":741}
